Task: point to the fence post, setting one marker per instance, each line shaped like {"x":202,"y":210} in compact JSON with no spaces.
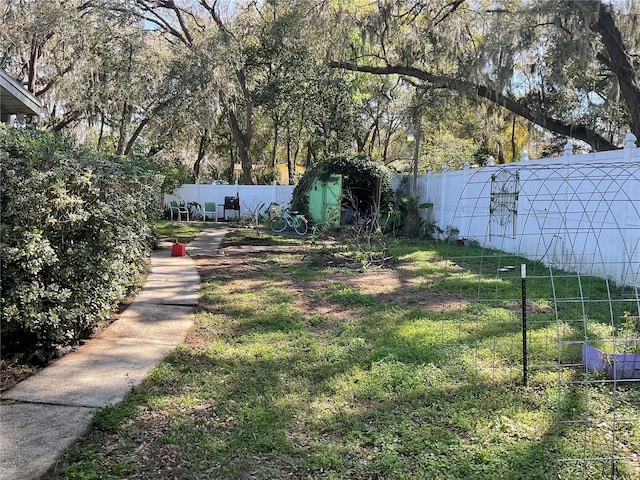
{"x":465,"y":220}
{"x":568,"y":150}
{"x":198,"y":198}
{"x":428,"y":195}
{"x":629,"y":145}
{"x":523,"y":275}
{"x":443,"y":190}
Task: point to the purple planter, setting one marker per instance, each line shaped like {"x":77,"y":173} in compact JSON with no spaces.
{"x":618,"y":366}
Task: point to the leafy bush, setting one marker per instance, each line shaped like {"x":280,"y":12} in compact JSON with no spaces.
{"x":75,"y":228}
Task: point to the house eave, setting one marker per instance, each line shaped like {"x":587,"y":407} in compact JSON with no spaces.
{"x":16,"y":100}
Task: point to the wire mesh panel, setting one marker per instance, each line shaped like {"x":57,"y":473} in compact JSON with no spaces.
{"x":548,"y":257}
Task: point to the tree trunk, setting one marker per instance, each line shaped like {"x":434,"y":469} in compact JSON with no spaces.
{"x":501,"y":160}
{"x":620,"y":63}
{"x":135,"y":136}
{"x":242,"y":138}
{"x":32,"y":74}
{"x":202,"y":150}
{"x":274,"y":150}
{"x":101,"y":129}
{"x":310,"y":154}
{"x":291,"y":167}
{"x":248,"y":175}
{"x":243,"y":142}
{"x":122,"y":132}
{"x":387,"y":142}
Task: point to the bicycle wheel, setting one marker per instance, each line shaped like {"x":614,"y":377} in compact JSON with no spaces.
{"x":278,"y":223}
{"x":300,"y":225}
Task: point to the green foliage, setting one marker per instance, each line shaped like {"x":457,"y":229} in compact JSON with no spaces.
{"x":111,"y":417}
{"x":174,"y":173}
{"x":358,"y":172}
{"x":74,"y":234}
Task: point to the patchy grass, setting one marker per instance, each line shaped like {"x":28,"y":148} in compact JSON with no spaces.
{"x":298,"y":368}
{"x":262,"y":236}
{"x":182,"y":232}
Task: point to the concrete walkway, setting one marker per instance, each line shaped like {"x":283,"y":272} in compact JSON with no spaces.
{"x":207,"y":244}
{"x":51,"y":410}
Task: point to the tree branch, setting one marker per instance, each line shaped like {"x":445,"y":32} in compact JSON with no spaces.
{"x":67,"y":119}
{"x":135,"y":135}
{"x":466,"y":87}
{"x":215,"y":16}
{"x":54,"y":80}
{"x":155,"y":18}
{"x":450,"y":7}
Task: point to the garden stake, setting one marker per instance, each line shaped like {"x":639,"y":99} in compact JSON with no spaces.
{"x":523,"y":274}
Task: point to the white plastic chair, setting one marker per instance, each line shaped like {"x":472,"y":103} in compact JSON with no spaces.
{"x":178,"y":209}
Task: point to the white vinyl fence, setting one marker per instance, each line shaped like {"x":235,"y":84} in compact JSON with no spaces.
{"x":251,"y":196}
{"x":575,"y":212}
{"x":578,"y":213}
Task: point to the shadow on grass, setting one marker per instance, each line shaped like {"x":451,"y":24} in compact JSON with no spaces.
{"x":346,"y":416}
{"x":374,"y":388}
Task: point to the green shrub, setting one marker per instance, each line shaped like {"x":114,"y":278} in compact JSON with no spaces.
{"x":75,"y":229}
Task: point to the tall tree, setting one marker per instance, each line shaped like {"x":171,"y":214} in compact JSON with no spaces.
{"x":618,"y":59}
{"x":42,"y":43}
{"x":90,"y":63}
{"x":217,"y":45}
{"x":541,"y":60}
{"x":284,"y":57}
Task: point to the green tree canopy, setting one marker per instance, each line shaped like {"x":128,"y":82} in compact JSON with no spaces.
{"x":569,"y":67}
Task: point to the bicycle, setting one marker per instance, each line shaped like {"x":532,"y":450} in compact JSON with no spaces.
{"x":284,"y":219}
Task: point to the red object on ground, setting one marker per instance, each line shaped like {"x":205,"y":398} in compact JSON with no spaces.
{"x":178,"y":250}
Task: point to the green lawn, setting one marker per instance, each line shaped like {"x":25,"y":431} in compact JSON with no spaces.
{"x":307,"y":371}
{"x":179,"y":231}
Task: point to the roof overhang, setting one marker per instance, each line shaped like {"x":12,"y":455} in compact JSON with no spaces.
{"x":15,"y":100}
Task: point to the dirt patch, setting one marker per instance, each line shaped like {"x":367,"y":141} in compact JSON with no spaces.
{"x":257,"y":240}
{"x":386,"y":285}
{"x":243,"y":242}
{"x":247,"y":249}
{"x":237,"y":267}
{"x":13,"y":372}
{"x":390,"y":285}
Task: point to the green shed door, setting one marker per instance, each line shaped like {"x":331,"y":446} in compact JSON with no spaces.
{"x":332,"y":200}
{"x":324,"y":200}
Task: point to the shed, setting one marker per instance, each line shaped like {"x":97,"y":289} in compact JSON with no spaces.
{"x":344,"y":189}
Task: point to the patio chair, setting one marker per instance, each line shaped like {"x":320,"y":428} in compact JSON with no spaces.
{"x":210,"y":209}
{"x":178,"y":210}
